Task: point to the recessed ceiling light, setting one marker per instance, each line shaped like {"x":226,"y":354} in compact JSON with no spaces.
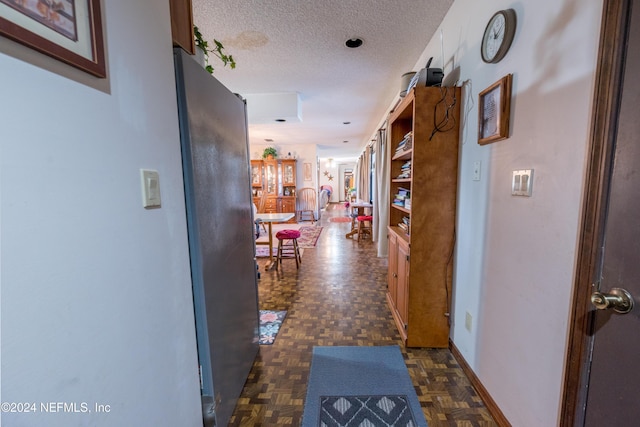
{"x":354,"y":42}
{"x":346,"y":123}
{"x":344,"y":142}
{"x":281,"y":120}
{"x":269,"y":140}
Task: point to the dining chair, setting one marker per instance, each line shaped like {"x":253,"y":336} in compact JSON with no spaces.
{"x":307,"y":204}
{"x":262,"y":203}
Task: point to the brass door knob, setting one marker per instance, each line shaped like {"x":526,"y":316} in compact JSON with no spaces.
{"x":618,"y":299}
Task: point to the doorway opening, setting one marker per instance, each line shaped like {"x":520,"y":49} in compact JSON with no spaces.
{"x":348,"y":183}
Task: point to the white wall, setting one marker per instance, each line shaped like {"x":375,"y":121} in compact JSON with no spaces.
{"x":307,"y":154}
{"x":330,"y":175}
{"x":515,"y":256}
{"x":96,"y":291}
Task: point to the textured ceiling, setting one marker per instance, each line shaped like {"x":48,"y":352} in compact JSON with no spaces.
{"x":299,"y":46}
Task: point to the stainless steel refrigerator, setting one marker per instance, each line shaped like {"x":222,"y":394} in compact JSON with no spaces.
{"x":215,"y":158}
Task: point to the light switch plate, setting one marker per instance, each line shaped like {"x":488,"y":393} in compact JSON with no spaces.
{"x":522,"y":182}
{"x":150,"y":188}
{"x":476,"y":170}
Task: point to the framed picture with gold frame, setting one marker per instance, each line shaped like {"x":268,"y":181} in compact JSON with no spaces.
{"x":494,"y":108}
{"x":67,"y":30}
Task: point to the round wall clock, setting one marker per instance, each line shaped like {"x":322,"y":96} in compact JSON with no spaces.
{"x":498,"y":36}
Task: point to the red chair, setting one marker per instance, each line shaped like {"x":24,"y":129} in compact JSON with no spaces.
{"x":288,"y":250}
{"x":364,"y":225}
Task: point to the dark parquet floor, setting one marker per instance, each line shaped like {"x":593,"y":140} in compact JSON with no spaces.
{"x":337,"y":297}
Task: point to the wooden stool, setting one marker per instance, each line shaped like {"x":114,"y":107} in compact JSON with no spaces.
{"x":364,"y":225}
{"x":288,"y":250}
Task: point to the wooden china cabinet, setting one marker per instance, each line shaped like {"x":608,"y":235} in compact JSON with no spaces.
{"x":276,"y":179}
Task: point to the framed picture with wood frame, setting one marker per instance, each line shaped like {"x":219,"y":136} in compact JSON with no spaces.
{"x":67,"y":30}
{"x":307,"y":172}
{"x":494,"y":107}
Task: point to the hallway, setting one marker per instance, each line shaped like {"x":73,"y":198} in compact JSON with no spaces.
{"x":337,"y":297}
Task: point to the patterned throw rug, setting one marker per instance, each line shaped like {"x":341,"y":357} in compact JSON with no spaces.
{"x":340,"y":219}
{"x":263,"y":251}
{"x":270,"y":322}
{"x":375,"y":411}
{"x":308,"y":238}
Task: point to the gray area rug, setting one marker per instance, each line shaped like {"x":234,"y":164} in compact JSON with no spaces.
{"x":360,"y":386}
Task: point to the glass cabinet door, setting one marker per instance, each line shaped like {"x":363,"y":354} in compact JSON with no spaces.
{"x":279,"y":179}
{"x":256,"y":173}
{"x":271,"y":178}
{"x":288,"y":175}
{"x":289,"y":178}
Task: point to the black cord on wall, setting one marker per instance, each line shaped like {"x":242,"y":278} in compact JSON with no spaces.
{"x":446,"y":270}
{"x":448,"y":121}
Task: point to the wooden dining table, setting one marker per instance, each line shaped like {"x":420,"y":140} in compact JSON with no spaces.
{"x":270,"y":218}
{"x":358,"y":208}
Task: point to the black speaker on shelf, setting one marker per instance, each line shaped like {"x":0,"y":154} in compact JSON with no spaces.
{"x":427,"y":77}
{"x":434,"y":77}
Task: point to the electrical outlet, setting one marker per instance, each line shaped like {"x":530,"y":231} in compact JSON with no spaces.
{"x":468,"y":321}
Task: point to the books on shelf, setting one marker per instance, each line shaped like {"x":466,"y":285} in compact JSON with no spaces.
{"x":402,"y":198}
{"x":405,"y":170}
{"x":403,"y":203}
{"x":405,"y":144}
{"x":404,"y":192}
{"x":404,"y":224}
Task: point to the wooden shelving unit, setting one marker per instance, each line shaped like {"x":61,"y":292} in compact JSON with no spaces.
{"x":421,"y":257}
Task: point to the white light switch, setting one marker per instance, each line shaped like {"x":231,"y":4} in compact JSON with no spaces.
{"x":150,"y":188}
{"x":522,"y":183}
{"x":476,"y":170}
